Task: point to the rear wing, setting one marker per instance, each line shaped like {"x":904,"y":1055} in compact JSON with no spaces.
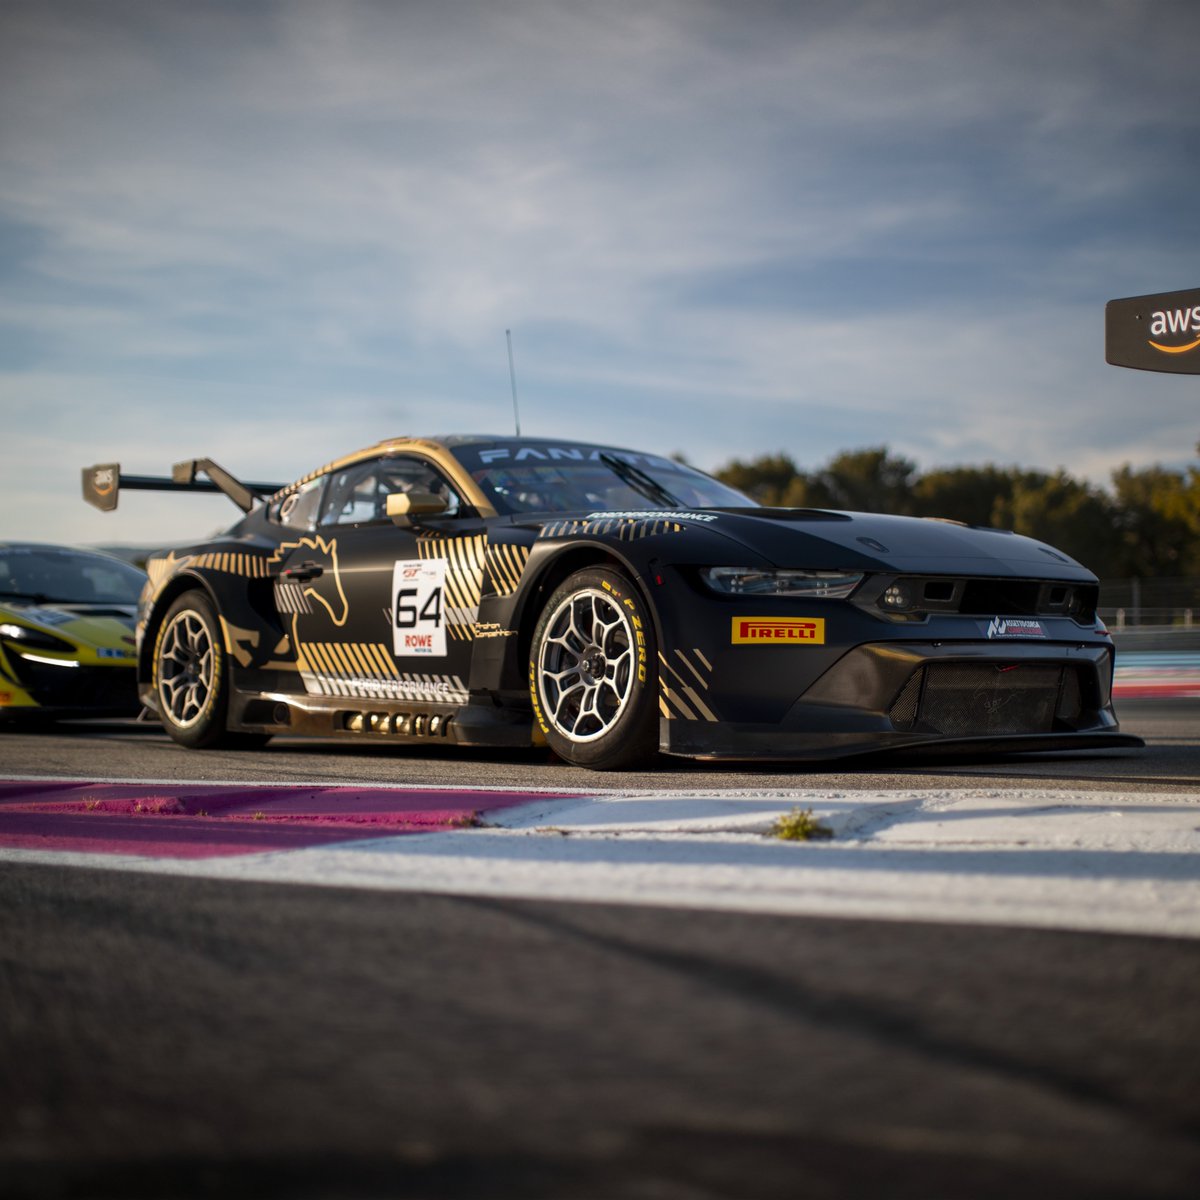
{"x":102,"y":484}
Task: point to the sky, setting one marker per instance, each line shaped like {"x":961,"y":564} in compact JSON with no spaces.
{"x":270,"y":232}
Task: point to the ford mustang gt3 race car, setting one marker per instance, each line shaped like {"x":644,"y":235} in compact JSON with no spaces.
{"x":66,"y":633}
{"x":491,"y":591}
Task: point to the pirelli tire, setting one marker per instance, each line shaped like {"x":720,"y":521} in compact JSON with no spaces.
{"x":593,"y":675}
{"x":191,"y":676}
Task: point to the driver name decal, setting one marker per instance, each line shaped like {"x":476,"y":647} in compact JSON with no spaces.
{"x":419,"y":607}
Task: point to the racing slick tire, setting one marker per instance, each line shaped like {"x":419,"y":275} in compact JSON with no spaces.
{"x":191,"y":677}
{"x":593,"y":672}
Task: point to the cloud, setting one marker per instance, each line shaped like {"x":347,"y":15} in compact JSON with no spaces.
{"x":279,"y":230}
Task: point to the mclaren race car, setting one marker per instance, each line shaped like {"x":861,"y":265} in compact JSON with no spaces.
{"x":492,"y":591}
{"x":66,"y":633}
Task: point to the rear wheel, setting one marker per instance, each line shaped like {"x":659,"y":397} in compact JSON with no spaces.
{"x":191,"y":676}
{"x":592,"y":672}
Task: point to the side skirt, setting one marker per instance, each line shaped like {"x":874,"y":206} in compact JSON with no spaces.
{"x":303,"y":715}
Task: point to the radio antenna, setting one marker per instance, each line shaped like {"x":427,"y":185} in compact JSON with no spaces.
{"x":512,"y":375}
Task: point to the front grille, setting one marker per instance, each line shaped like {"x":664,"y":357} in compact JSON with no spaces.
{"x":914,"y":597}
{"x":983,"y":699}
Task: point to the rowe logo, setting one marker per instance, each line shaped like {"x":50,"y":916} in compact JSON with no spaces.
{"x":792,"y":631}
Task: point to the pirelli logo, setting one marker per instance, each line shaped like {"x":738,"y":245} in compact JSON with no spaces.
{"x":779,"y":631}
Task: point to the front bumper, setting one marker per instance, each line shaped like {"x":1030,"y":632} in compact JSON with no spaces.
{"x":967,"y":697}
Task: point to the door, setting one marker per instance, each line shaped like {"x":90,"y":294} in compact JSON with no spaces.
{"x":382,"y":610}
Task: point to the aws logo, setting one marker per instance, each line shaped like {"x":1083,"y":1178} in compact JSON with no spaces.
{"x":1179,"y":322}
{"x":1154,"y":333}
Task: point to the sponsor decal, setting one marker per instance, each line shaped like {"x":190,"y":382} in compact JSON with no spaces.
{"x":651,"y":515}
{"x":419,"y":608}
{"x":105,"y":652}
{"x":492,"y":629}
{"x":104,"y":479}
{"x":1180,"y":322}
{"x":779,"y":631}
{"x":1154,"y":333}
{"x":561,"y":454}
{"x":1010,"y":627}
{"x":46,"y":616}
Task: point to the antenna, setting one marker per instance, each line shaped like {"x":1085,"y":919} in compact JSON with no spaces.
{"x":512,"y":375}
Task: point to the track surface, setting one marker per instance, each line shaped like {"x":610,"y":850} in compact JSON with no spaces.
{"x":188,"y":1037}
{"x":126,"y":750}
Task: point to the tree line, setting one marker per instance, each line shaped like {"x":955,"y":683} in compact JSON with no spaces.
{"x":1147,"y":525}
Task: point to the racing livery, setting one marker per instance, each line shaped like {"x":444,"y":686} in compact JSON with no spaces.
{"x":491,"y":591}
{"x":66,"y":633}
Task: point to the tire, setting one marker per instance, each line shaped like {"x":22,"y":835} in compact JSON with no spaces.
{"x":593,"y":672}
{"x":191,"y":677}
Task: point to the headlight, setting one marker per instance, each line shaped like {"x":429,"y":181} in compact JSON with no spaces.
{"x":34,"y":639}
{"x":750,"y":581}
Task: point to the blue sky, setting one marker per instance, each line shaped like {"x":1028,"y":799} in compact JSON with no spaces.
{"x":272,"y":232}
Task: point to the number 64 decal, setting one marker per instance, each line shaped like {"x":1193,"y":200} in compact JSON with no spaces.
{"x":418,"y":608}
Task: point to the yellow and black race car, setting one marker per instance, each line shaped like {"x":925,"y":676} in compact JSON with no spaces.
{"x":491,"y":591}
{"x":67,"y":645}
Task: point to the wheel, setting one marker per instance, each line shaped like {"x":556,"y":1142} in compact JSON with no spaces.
{"x":593,"y":672}
{"x":191,"y":676}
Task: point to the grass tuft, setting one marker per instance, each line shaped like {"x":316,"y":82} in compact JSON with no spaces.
{"x":800,"y":826}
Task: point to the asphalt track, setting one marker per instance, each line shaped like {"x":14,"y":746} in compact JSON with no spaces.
{"x":167,"y":1036}
{"x":128,"y":750}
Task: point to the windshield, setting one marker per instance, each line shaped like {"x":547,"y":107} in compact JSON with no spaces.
{"x":43,"y":574}
{"x":520,"y":477}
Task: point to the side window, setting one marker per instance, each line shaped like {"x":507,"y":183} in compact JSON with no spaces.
{"x":359,"y":493}
{"x":298,"y":509}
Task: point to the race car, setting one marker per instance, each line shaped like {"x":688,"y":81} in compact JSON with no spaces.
{"x":504,"y":592}
{"x":67,"y":646}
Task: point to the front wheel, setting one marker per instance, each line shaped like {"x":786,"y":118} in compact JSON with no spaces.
{"x":593,"y":674}
{"x":191,"y":676}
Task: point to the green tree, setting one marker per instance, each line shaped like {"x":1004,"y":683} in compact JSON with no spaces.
{"x":1158,"y":521}
{"x":768,"y":479}
{"x":870,"y":480}
{"x":973,"y":495}
{"x":1069,"y":514}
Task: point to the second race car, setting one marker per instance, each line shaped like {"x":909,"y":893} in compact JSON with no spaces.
{"x":66,"y":633}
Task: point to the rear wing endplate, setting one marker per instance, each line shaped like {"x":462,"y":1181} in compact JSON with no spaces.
{"x":103,"y":483}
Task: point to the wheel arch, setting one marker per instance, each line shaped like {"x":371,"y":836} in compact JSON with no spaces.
{"x":561,"y":566}
{"x":186,"y":581}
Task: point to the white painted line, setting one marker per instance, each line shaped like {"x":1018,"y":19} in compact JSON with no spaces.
{"x":1103,"y":861}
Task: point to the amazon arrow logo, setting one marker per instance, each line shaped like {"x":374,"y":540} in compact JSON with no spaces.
{"x":1177,"y":321}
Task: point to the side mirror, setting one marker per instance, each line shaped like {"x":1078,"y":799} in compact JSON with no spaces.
{"x":403,"y":506}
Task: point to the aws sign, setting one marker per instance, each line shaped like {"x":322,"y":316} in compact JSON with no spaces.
{"x":1154,"y":333}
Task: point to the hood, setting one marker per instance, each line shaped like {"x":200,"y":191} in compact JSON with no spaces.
{"x":100,"y":631}
{"x":793,"y":537}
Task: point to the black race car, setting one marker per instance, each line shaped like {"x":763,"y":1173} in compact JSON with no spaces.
{"x":492,"y":591}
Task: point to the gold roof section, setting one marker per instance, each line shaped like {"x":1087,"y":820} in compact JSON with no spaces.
{"x":427,"y":448}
